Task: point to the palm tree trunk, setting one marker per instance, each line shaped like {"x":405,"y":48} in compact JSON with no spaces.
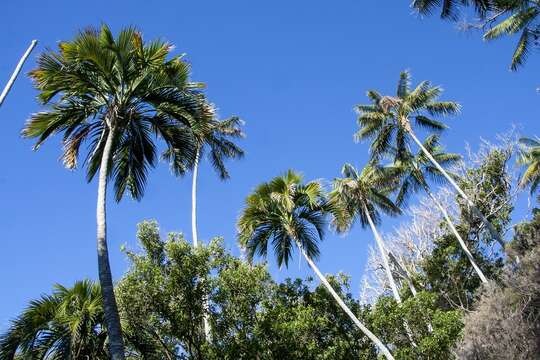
{"x":473,"y":207}
{"x":384,"y":256}
{"x":112,"y":319}
{"x":17,"y":71}
{"x":393,"y":285}
{"x":194,"y":200}
{"x":456,"y":234}
{"x":206,"y":323}
{"x":344,"y":306}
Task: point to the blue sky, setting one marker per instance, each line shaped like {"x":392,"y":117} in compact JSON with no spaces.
{"x":293,"y":70}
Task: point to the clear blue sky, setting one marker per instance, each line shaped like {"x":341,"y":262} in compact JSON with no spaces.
{"x":293,"y":70}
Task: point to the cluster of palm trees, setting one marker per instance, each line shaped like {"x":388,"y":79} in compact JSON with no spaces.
{"x":286,"y":213}
{"x":118,"y":95}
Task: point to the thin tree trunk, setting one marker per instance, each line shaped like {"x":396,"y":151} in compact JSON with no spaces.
{"x":473,"y":207}
{"x":384,"y":256}
{"x":17,"y":71}
{"x":393,"y":285}
{"x":194,"y":200}
{"x":206,"y":322}
{"x":458,"y":237}
{"x":383,"y":349}
{"x":112,"y":319}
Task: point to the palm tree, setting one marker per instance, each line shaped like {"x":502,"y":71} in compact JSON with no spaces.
{"x":363,"y":195}
{"x":415,"y":170}
{"x":289,"y":213}
{"x":116,"y":94}
{"x":530,"y":157}
{"x":214,"y":136}
{"x":387,"y":120}
{"x":65,"y":325}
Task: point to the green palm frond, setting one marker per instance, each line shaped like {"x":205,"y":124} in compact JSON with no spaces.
{"x":281,"y":213}
{"x":355,"y":191}
{"x":98,"y":84}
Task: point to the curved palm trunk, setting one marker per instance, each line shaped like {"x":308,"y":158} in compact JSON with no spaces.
{"x":384,"y":256}
{"x":393,"y":285}
{"x":17,"y":71}
{"x":344,"y":306}
{"x":112,"y":319}
{"x":195,"y":239}
{"x":473,"y":207}
{"x":458,"y":237}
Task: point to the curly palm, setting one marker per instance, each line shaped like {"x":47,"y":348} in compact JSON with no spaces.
{"x":357,"y":192}
{"x":529,"y":156}
{"x":285,"y":212}
{"x":387,"y":120}
{"x":416,"y":170}
{"x":65,"y":325}
{"x":98,"y":85}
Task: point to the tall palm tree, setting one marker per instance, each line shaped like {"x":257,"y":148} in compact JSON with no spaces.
{"x":415,"y":170}
{"x":215,"y":137}
{"x":363,"y":195}
{"x":65,"y":325}
{"x":387,"y":121}
{"x":289,"y":213}
{"x":116,"y":94}
{"x":529,"y":156}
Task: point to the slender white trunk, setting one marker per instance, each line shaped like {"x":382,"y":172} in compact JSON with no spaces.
{"x":194,"y":200}
{"x":110,"y":308}
{"x":458,"y":237}
{"x":206,"y":322}
{"x":384,"y":256}
{"x":473,"y":207}
{"x":382,"y":348}
{"x":17,"y":71}
{"x":386,"y":264}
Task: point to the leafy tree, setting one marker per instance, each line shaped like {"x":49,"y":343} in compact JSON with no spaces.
{"x":65,"y":325}
{"x":289,"y":213}
{"x":388,"y":120}
{"x":415,"y":171}
{"x":115,"y":94}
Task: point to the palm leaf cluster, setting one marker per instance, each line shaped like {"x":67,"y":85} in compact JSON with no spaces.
{"x":283,"y":213}
{"x":98,"y":84}
{"x":361,"y":193}
{"x":65,"y":325}
{"x":386,"y":121}
{"x":499,"y":18}
{"x":529,"y":156}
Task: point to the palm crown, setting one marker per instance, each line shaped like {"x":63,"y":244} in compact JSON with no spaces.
{"x":66,"y":324}
{"x":387,"y":119}
{"x":98,"y":85}
{"x":530,"y":157}
{"x":416,"y":170}
{"x":358,"y":192}
{"x":286,"y":212}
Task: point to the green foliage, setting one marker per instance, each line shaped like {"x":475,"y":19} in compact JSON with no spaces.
{"x":97,"y":86}
{"x":286,"y":212}
{"x":387,"y":120}
{"x":65,"y":325}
